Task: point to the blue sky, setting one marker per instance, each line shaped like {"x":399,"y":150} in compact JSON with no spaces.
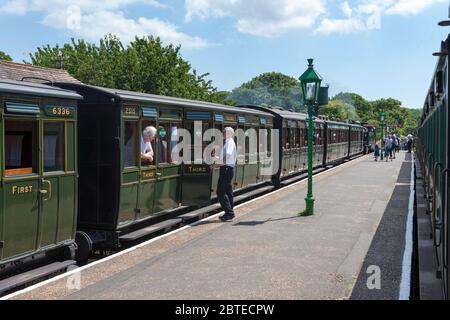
{"x":377,"y":48}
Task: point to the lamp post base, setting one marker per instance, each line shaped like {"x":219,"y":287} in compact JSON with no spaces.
{"x":309,"y":207}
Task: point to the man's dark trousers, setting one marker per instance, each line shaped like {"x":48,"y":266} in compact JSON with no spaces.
{"x":225,"y":189}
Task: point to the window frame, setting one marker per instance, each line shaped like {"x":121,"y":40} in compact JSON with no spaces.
{"x":64,"y":146}
{"x":35,"y":169}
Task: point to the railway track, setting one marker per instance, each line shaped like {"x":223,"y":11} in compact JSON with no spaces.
{"x":163,"y":225}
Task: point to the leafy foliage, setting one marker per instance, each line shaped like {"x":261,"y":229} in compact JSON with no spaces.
{"x":4,"y":56}
{"x":271,"y":88}
{"x":145,"y":65}
{"x":339,"y":110}
{"x":402,"y":120}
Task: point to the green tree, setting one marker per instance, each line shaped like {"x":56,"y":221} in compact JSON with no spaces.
{"x":271,"y":88}
{"x":145,"y":65}
{"x":362,"y":107}
{"x":335,"y":110}
{"x":339,"y":110}
{"x":4,"y":56}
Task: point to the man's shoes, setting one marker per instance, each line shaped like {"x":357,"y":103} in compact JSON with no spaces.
{"x":226,"y":217}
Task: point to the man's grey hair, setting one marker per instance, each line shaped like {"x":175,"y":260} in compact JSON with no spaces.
{"x":149,"y":132}
{"x":229,"y":131}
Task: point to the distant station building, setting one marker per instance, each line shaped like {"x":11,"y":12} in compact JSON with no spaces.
{"x":29,"y":73}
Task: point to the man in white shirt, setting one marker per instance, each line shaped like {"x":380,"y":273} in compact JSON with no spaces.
{"x":148,"y":135}
{"x":227,"y":159}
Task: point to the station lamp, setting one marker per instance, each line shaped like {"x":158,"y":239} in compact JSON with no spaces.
{"x":310,"y":82}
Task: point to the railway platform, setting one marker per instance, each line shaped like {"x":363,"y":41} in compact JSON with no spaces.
{"x":352,"y":248}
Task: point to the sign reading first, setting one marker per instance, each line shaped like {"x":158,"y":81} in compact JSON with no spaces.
{"x":59,"y":111}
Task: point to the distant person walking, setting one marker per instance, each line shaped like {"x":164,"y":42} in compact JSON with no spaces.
{"x":388,"y":145}
{"x":410,"y":142}
{"x":228,"y":157}
{"x":394,"y":145}
{"x":377,"y":151}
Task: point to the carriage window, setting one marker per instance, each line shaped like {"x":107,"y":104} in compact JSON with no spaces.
{"x":20,"y":147}
{"x":130,"y":144}
{"x":148,"y":144}
{"x":174,"y":152}
{"x":219,"y":144}
{"x":197,"y":136}
{"x":287,"y":138}
{"x":163,"y":142}
{"x":269,"y":140}
{"x":53,"y":146}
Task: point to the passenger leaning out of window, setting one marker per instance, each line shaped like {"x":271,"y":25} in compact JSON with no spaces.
{"x":148,"y":136}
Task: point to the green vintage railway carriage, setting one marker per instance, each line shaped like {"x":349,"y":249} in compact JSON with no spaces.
{"x":119,"y":195}
{"x":337,"y":141}
{"x":293,"y":141}
{"x":38,"y":191}
{"x":333,"y":142}
{"x":356,"y":139}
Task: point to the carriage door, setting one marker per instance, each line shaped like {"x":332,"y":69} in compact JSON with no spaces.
{"x":58,"y":182}
{"x":148,"y":168}
{"x":130,"y":174}
{"x":21,"y":184}
{"x":286,"y":149}
{"x":168,"y":176}
{"x":218,"y":125}
{"x":197,"y":176}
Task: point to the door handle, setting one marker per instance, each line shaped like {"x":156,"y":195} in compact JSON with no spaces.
{"x":49,"y":191}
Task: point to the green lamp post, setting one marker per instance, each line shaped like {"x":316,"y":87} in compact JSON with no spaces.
{"x":310,"y":82}
{"x":383,"y":122}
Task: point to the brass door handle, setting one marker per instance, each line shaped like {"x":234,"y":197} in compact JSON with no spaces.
{"x":49,"y":191}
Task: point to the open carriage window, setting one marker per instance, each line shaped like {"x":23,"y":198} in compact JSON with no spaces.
{"x":54,"y":146}
{"x":20,"y":147}
{"x":167,"y":148}
{"x":130,"y":142}
{"x":197,"y":142}
{"x":148,"y":138}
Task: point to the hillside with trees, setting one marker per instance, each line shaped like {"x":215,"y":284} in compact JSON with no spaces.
{"x":279,"y":90}
{"x":271,"y":88}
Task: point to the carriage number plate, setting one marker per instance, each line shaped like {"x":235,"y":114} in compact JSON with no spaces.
{"x":59,"y":111}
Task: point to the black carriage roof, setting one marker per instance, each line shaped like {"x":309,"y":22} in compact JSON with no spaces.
{"x":332,"y":122}
{"x":285,"y":114}
{"x":36,"y":89}
{"x":291,"y":115}
{"x":168,"y":101}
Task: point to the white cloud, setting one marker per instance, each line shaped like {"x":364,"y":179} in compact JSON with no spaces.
{"x":264,"y":18}
{"x":268,"y":18}
{"x":93,"y":19}
{"x":25,"y":6}
{"x":342,"y":26}
{"x":97,"y":24}
{"x":411,"y":7}
{"x":16,"y":7}
{"x":346,"y":10}
{"x":367,"y":14}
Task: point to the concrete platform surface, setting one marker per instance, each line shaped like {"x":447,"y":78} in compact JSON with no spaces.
{"x":268,"y":252}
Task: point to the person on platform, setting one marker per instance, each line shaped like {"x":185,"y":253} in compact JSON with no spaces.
{"x":377,"y":151}
{"x":227,"y":160}
{"x":388,"y":148}
{"x":410,"y":142}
